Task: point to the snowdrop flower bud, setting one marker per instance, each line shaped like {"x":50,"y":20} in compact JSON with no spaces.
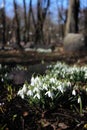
{"x":86,"y":89}
{"x":45,"y":86}
{"x":79,"y":99}
{"x":69,"y":84}
{"x":24,"y":89}
{"x":32,"y":81}
{"x":52,"y":80}
{"x":2,"y":79}
{"x":0,"y":64}
{"x":37,"y":95}
{"x":85,"y":75}
{"x":61,"y":88}
{"x":49,"y":93}
{"x":29,"y":93}
{"x":1,"y":104}
{"x":36,"y":89}
{"x":74,"y":92}
{"x":21,"y":94}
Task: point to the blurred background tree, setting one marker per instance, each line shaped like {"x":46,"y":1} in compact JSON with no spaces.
{"x":42,"y":23}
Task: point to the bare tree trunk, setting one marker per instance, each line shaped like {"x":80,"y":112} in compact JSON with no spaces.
{"x":29,"y":16}
{"x":85,"y":20}
{"x":4,"y":24}
{"x":25,"y":19}
{"x":18,"y":25}
{"x":39,"y":24}
{"x":72,"y":20}
{"x":41,"y":15}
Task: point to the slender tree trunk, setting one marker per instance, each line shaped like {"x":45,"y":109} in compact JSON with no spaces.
{"x":39,"y":36}
{"x":4,"y":24}
{"x":41,"y":16}
{"x":29,"y":18}
{"x":39,"y":24}
{"x":18,"y":26}
{"x":85,"y":20}
{"x":72,"y":20}
{"x":25,"y":19}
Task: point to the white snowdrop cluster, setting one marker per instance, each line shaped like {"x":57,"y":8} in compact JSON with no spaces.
{"x":58,"y":79}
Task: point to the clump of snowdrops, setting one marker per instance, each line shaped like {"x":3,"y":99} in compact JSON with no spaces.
{"x":62,"y":84}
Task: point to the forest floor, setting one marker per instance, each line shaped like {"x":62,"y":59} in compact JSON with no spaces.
{"x":16,"y":114}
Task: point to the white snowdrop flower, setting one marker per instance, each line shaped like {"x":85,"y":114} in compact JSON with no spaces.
{"x":47,"y":76}
{"x":69,"y":84}
{"x":60,"y":88}
{"x":52,"y":80}
{"x":29,"y":93}
{"x":5,"y":74}
{"x":49,"y":93}
{"x":36,"y":81}
{"x":32,"y":81}
{"x":24,"y":89}
{"x":53,"y":87}
{"x":49,"y":66}
{"x":36,"y":89}
{"x":86,"y":89}
{"x":76,"y":86}
{"x":1,"y":104}
{"x":2,"y":79}
{"x":71,"y":76}
{"x":21,"y":94}
{"x":45,"y":86}
{"x":74,"y":92}
{"x":63,"y":75}
{"x":85,"y":75}
{"x":37,"y":78}
{"x":37,"y":95}
{"x":79,"y":99}
{"x":0,"y":66}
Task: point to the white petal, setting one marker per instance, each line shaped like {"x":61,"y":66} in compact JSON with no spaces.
{"x":29,"y":93}
{"x":36,"y":89}
{"x":24,"y":89}
{"x":49,"y":93}
{"x":74,"y":92}
{"x":22,"y":96}
{"x":37,"y":96}
{"x":79,"y":99}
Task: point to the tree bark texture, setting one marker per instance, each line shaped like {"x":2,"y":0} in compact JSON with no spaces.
{"x":72,"y":20}
{"x":25,"y":20}
{"x":41,"y":16}
{"x":4,"y":24}
{"x":18,"y":25}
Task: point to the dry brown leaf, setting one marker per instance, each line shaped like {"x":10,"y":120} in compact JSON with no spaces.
{"x":63,"y":126}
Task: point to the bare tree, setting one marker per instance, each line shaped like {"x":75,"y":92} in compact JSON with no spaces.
{"x":29,"y":18}
{"x":85,"y":19}
{"x":72,"y":20}
{"x":25,"y":21}
{"x":62,"y":16}
{"x":18,"y":25}
{"x":39,"y":21}
{"x":4,"y":24}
